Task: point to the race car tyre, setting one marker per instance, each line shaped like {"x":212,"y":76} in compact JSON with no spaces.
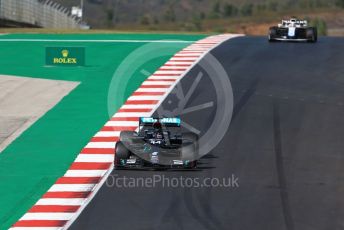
{"x":188,"y":154}
{"x":126,"y":135}
{"x":312,"y":34}
{"x":192,"y":165}
{"x":192,"y":137}
{"x":272,"y":34}
{"x":121,"y":152}
{"x":190,"y":151}
{"x":129,"y":137}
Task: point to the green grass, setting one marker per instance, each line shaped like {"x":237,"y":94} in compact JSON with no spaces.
{"x":33,"y":162}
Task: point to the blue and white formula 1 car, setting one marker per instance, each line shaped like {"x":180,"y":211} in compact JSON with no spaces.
{"x":158,"y":144}
{"x":293,"y":30}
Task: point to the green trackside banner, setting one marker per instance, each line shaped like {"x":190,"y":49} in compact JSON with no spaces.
{"x":65,"y":56}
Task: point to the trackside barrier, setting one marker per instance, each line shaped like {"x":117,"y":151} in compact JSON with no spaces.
{"x":38,"y":13}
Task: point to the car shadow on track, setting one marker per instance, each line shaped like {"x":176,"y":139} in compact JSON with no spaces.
{"x":201,"y":165}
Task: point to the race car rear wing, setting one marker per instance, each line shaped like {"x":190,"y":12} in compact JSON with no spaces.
{"x":167,"y":121}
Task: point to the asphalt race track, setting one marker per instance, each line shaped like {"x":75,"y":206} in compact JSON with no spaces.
{"x":284,"y":144}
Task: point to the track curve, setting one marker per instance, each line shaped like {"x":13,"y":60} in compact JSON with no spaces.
{"x":285,"y":146}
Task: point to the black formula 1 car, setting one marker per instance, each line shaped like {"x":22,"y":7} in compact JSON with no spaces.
{"x":158,"y":144}
{"x":293,"y":30}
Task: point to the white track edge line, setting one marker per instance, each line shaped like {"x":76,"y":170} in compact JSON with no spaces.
{"x":95,"y":41}
{"x":188,"y":70}
{"x":89,"y":198}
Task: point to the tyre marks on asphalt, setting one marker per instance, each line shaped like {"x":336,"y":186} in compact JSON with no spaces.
{"x":282,"y":180}
{"x":245,"y":98}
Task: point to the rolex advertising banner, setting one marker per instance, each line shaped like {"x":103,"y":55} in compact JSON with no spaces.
{"x":65,"y":56}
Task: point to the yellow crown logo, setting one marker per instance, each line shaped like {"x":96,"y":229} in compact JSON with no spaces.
{"x":65,"y":53}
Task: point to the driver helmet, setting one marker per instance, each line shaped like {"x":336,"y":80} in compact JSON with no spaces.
{"x":158,"y":130}
{"x":157,"y":125}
